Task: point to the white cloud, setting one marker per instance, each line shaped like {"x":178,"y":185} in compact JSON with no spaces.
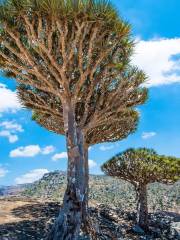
{"x":12,"y":138}
{"x":8,"y":99}
{"x":9,"y":130}
{"x":28,"y":151}
{"x":58,"y":156}
{"x":31,"y":176}
{"x":31,"y":151}
{"x":146,"y":135}
{"x":47,"y":150}
{"x":12,"y":125}
{"x":92,"y":163}
{"x":3,"y":172}
{"x":106,"y":148}
{"x":159,"y":58}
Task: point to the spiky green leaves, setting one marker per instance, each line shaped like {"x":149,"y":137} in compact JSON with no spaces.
{"x":101,"y":9}
{"x":143,"y":166}
{"x":48,"y":112}
{"x":76,"y":52}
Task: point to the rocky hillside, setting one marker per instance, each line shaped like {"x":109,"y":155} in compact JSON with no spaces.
{"x":107,"y":190}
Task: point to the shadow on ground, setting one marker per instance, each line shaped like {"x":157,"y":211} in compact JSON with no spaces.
{"x":112,"y":224}
{"x":39,"y":215}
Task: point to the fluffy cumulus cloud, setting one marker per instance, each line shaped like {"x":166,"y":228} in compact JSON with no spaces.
{"x":146,"y":135}
{"x":47,"y":150}
{"x":31,"y":176}
{"x":160,"y":59}
{"x":58,"y":156}
{"x":31,"y":151}
{"x":8,"y":100}
{"x":106,"y":148}
{"x":3,"y":172}
{"x":9,"y":129}
{"x":92,"y":163}
{"x":28,"y":151}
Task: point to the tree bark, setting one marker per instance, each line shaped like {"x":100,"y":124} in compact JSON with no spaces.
{"x":142,"y":207}
{"x":89,"y":228}
{"x":68,"y":223}
{"x":86,"y":189}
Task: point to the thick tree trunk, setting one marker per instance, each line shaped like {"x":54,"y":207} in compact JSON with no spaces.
{"x":142,"y":207}
{"x":68,"y":223}
{"x":90,"y":228}
{"x":86,"y":189}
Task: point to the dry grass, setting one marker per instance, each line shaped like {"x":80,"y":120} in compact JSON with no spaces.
{"x":8,"y":205}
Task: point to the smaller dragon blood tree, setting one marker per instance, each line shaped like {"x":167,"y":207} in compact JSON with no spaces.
{"x":141,"y":167}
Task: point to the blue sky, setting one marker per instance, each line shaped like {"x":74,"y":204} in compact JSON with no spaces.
{"x":28,"y":151}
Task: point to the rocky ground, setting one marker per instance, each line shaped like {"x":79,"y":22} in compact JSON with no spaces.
{"x":28,"y":219}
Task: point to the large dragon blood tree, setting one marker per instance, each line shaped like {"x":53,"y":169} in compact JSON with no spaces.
{"x":78,"y":52}
{"x":124,"y":123}
{"x":141,"y":167}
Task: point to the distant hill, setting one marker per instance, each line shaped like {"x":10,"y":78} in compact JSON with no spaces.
{"x":106,"y":190}
{"x":12,"y":190}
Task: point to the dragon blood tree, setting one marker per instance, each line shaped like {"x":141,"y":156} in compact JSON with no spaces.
{"x":75,"y":54}
{"x":124,"y":123}
{"x":141,"y":167}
